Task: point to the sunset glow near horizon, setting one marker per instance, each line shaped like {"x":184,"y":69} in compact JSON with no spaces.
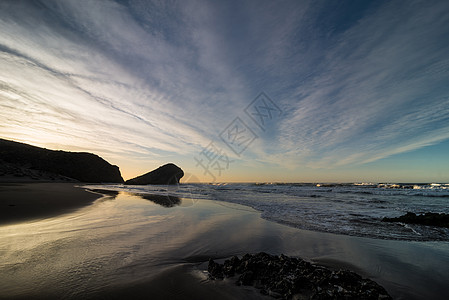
{"x":292,"y":91}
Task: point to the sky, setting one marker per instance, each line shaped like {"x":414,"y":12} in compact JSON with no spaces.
{"x":254,"y":91}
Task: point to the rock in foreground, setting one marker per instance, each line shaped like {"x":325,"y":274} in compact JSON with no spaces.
{"x":293,"y":278}
{"x":429,"y":219}
{"x":166,"y":174}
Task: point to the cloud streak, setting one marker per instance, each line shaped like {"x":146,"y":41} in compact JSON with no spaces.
{"x":381,"y":92}
{"x":137,"y":79}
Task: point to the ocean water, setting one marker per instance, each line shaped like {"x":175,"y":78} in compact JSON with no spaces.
{"x":352,"y":209}
{"x":132,"y":244}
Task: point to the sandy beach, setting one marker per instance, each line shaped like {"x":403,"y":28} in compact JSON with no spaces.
{"x":29,"y":201}
{"x":127,"y":246}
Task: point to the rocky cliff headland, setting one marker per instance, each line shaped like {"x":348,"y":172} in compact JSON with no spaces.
{"x":166,"y":174}
{"x":22,"y":161}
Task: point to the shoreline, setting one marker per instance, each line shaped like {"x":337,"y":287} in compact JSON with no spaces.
{"x":26,"y":201}
{"x":132,"y":242}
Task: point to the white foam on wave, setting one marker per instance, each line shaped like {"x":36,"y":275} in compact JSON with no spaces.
{"x":341,"y":208}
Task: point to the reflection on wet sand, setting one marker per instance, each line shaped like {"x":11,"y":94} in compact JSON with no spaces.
{"x":165,"y":201}
{"x":107,"y":193}
{"x":126,"y":246}
{"x":162,"y":200}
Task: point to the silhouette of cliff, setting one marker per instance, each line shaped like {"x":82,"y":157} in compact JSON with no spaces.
{"x":24,"y":159}
{"x":166,"y":174}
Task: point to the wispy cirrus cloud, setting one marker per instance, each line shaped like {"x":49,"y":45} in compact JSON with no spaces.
{"x":98,"y":76}
{"x":357,"y":82}
{"x":382,"y":90}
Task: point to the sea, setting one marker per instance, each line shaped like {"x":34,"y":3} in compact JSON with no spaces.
{"x":154,"y":242}
{"x":354,"y":209}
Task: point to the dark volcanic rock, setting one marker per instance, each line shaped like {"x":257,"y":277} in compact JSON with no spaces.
{"x":166,"y":174}
{"x":293,"y":278}
{"x":85,"y":167}
{"x":430,"y":219}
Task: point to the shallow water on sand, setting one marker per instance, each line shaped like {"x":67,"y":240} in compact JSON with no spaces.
{"x":352,"y":209}
{"x":127,"y":245}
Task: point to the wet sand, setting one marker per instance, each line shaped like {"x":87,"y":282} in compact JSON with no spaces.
{"x":127,"y":246}
{"x":28,"y":201}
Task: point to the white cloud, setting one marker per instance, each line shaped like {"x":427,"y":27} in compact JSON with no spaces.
{"x":381,"y":93}
{"x":91,"y":77}
{"x":158,"y":80}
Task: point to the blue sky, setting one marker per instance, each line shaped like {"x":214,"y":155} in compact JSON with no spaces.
{"x":362,"y":88}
